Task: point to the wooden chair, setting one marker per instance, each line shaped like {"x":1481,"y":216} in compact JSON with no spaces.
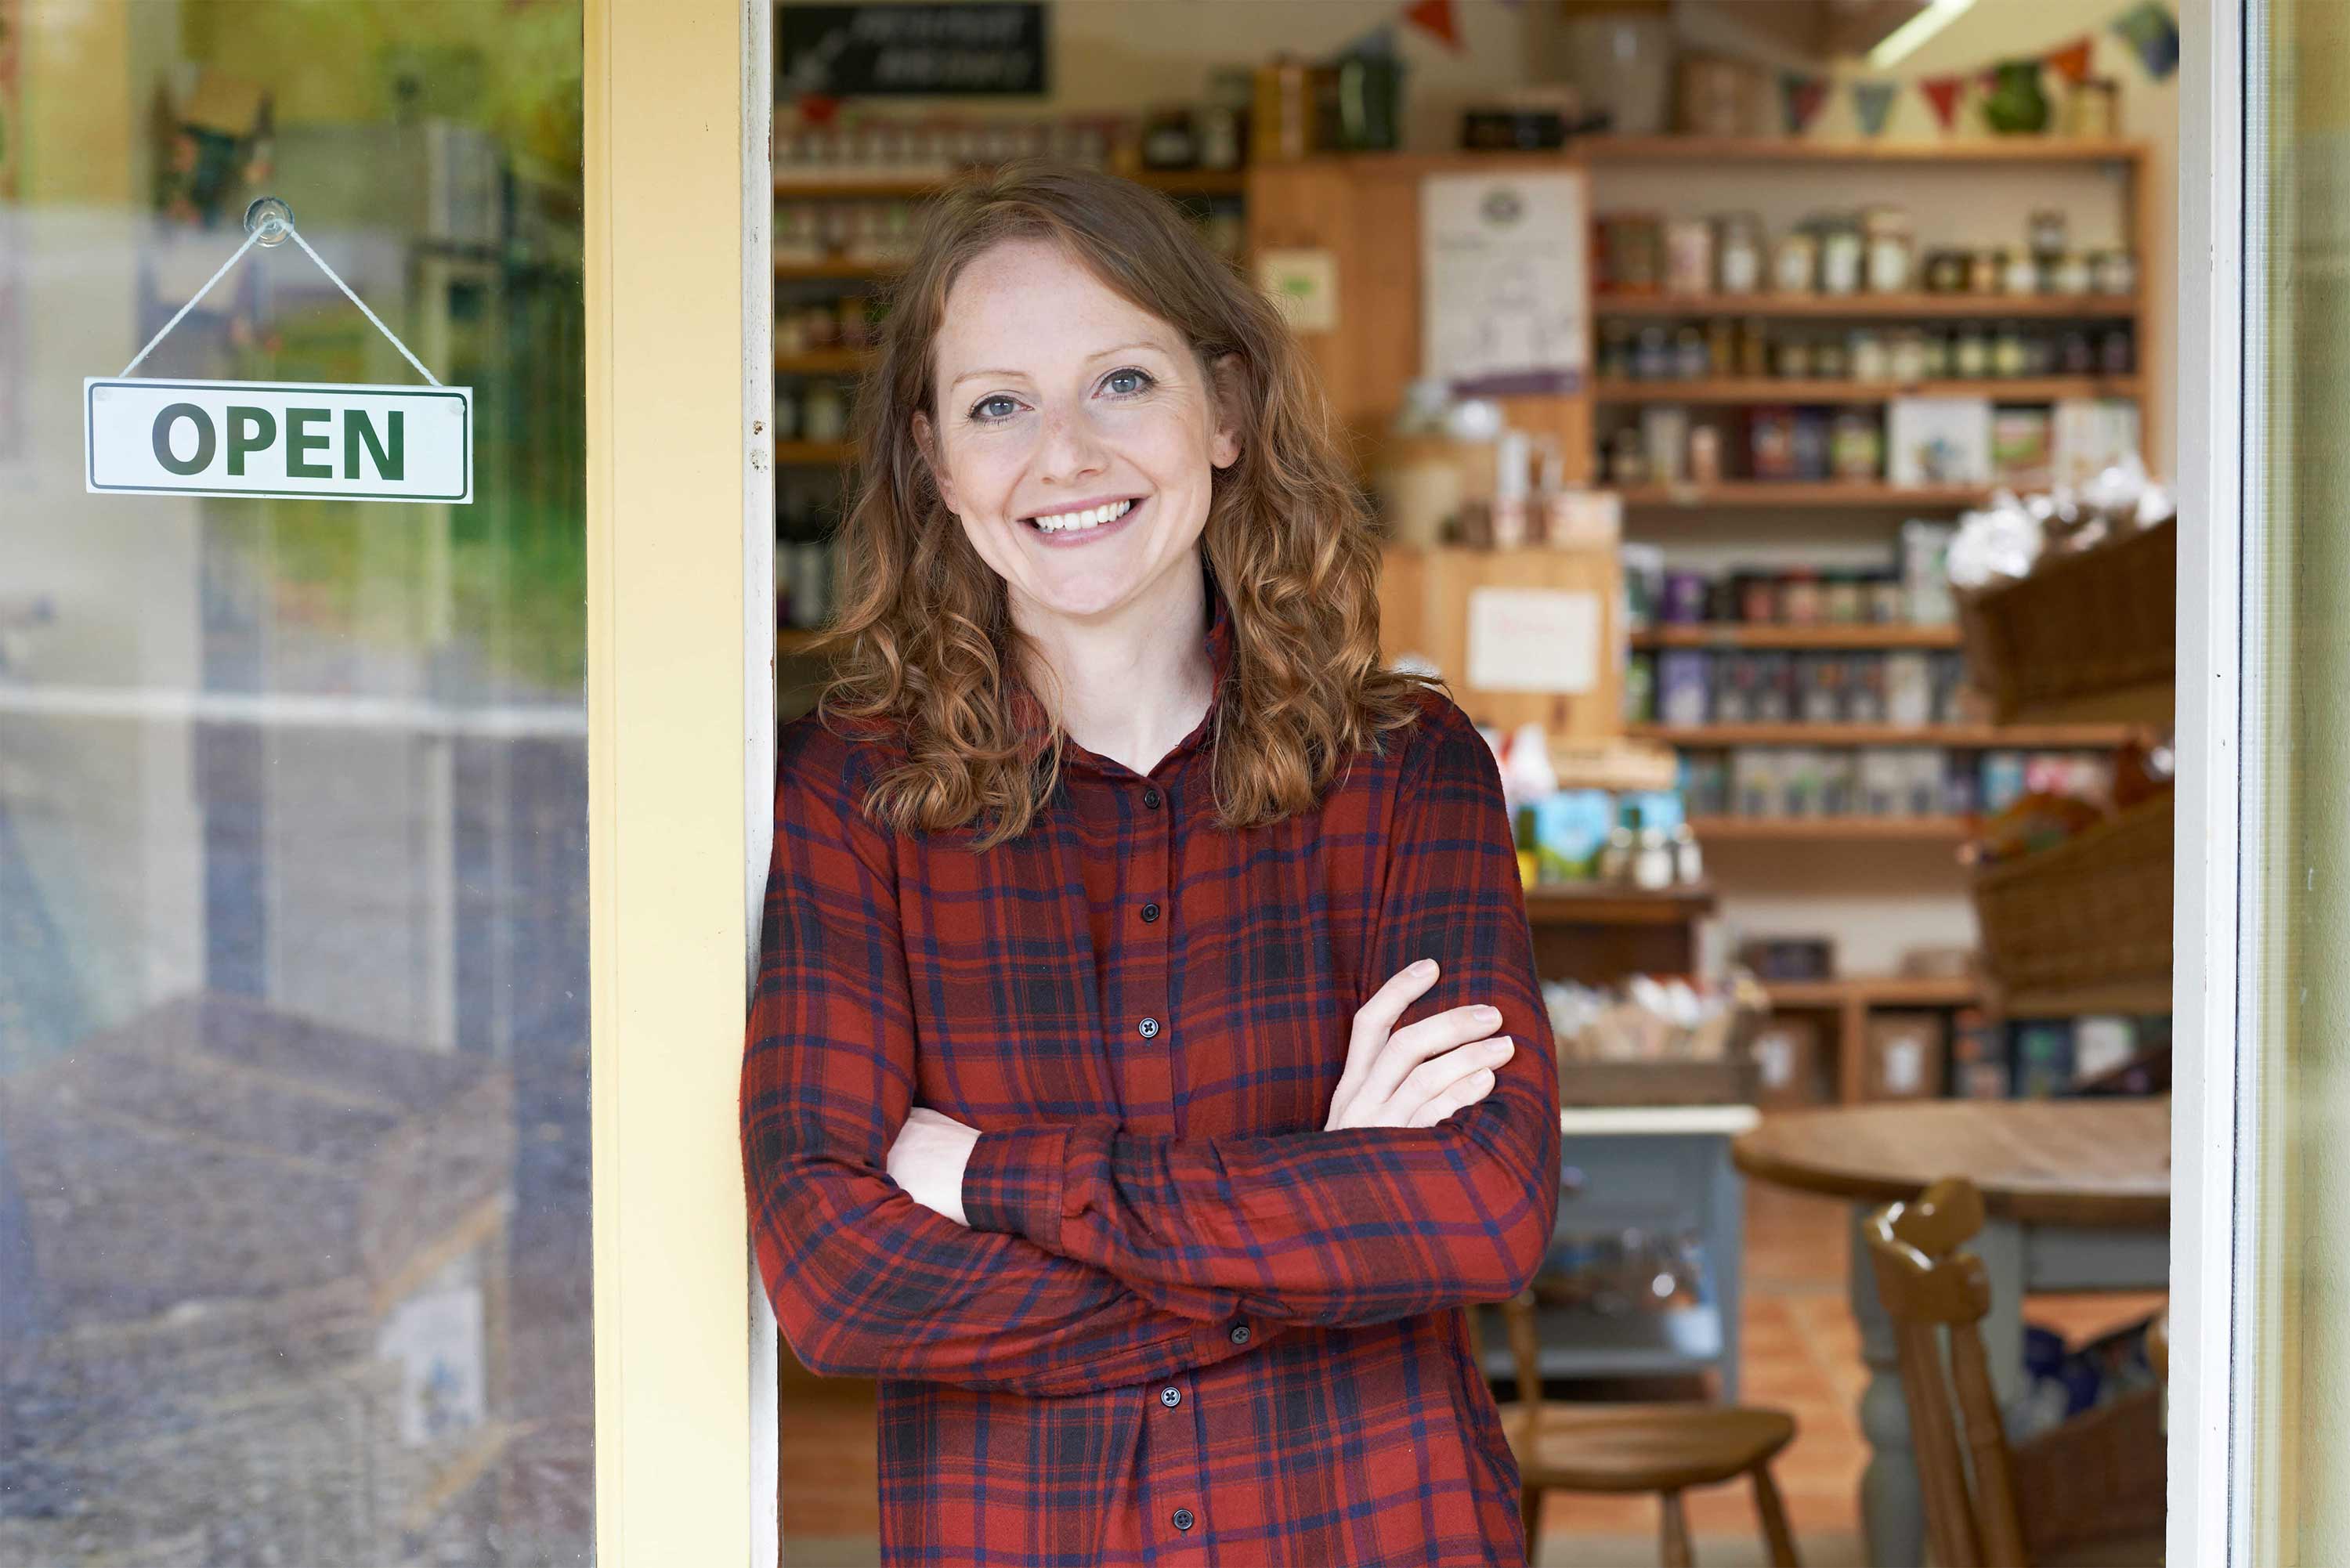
{"x":1662,"y":1448}
{"x":2087,"y":1492}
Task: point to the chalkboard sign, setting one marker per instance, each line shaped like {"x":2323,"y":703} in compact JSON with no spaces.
{"x":951,"y":51}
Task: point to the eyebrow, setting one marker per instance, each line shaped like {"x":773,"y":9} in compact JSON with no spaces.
{"x":1097,"y":354}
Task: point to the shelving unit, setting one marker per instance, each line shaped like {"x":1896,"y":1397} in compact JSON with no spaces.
{"x":1832,"y":636}
{"x":1825,"y":494}
{"x":1711,"y":830}
{"x":1873,"y":306}
{"x":1957,"y":737}
{"x":1710,"y":151}
{"x":2039,"y":390}
{"x":1850,"y":1001}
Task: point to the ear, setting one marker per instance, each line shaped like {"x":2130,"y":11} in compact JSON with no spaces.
{"x":1231,"y":391}
{"x":926,"y":439}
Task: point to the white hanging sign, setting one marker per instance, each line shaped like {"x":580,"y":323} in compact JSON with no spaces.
{"x":285,"y":439}
{"x":279,"y":439}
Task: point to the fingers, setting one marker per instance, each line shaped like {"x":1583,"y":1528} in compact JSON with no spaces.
{"x":1441,"y":1075}
{"x":1459,"y":1097}
{"x":1373,"y":1021}
{"x":1406,"y":1049}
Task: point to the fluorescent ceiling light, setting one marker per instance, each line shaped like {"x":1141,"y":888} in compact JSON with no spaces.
{"x":1904,"y":40}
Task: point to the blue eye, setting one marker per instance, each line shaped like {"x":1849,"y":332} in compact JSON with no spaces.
{"x":1143,"y":380}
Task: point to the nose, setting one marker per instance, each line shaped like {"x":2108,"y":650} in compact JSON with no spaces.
{"x":1069,"y":450}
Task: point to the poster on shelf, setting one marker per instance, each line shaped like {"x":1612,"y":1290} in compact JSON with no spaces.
{"x":1503,"y":290}
{"x":1532,"y":640}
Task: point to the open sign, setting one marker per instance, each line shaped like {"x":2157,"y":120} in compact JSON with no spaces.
{"x":278,"y":438}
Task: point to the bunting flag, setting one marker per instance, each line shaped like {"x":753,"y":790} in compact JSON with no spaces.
{"x":1871,"y":102}
{"x":1942,"y":93}
{"x":1802,"y":97}
{"x":2153,"y":31}
{"x":1435,"y":17}
{"x":2072,"y":61}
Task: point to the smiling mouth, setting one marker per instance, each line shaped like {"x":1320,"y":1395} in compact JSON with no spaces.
{"x":1068,"y":524}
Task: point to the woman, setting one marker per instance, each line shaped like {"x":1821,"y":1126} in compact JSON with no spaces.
{"x":1079,"y":1104}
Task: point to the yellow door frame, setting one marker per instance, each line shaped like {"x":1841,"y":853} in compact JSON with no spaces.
{"x":680,"y":710}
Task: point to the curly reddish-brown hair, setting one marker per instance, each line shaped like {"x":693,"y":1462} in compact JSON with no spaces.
{"x":925,"y":644}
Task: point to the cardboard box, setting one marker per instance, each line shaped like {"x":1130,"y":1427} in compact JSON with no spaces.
{"x":1788,"y":1068}
{"x":1905,"y":1053}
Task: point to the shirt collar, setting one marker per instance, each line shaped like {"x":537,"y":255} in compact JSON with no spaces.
{"x":1035,"y":726}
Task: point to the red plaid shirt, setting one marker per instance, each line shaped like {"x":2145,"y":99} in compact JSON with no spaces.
{"x":1185,"y":1324}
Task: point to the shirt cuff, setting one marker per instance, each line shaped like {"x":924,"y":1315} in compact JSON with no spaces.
{"x":1012,"y":1183}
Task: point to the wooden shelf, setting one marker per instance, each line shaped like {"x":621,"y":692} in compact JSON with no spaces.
{"x":797,"y":184}
{"x":824,"y":362}
{"x":1765,"y":389}
{"x":1605,"y":149}
{"x":1750,"y":492}
{"x":1568,"y":905}
{"x":1874,"y":991}
{"x":813,"y":453}
{"x":1838,"y":636}
{"x":1873,"y":306}
{"x":1711,"y":830}
{"x":1962,"y":737}
{"x":2150,"y":994}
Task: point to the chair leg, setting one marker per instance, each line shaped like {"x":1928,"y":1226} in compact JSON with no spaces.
{"x":1676,"y":1538}
{"x":1776,"y":1536}
{"x":1530,"y":1502}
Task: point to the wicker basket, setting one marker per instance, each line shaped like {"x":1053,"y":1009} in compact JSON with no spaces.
{"x":2081,"y":628}
{"x":2093,"y":912}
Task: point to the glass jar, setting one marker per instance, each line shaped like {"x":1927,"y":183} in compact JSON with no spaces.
{"x":1688,"y":354}
{"x":1829,"y":361}
{"x":1738,"y":253}
{"x":1722,"y":347}
{"x":1842,"y":249}
{"x":1869,"y":358}
{"x":1938,"y":355}
{"x":2016,"y":273}
{"x":1793,"y":359}
{"x":1615,"y":351}
{"x":1969,"y":353}
{"x":2071,"y":275}
{"x":1754,"y":348}
{"x":1891,"y":252}
{"x":1905,"y":357}
{"x":1946,"y":272}
{"x":1794,"y":262}
{"x":2007,"y":354}
{"x":2114,"y":272}
{"x":1652,"y":357}
{"x":2117,"y":352}
{"x":1689,"y":256}
{"x":1856,"y":453}
{"x":2075,"y":354}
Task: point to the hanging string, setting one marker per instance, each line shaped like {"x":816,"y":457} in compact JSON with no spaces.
{"x":269,"y":225}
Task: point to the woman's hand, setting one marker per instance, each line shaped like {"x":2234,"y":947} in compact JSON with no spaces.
{"x":1414,"y":1077}
{"x":927,"y":1160}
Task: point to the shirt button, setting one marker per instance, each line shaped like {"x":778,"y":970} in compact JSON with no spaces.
{"x":1150,"y":799}
{"x":1183,"y":1519}
{"x":1240,"y":1333}
{"x":1170,"y":1398}
{"x":1150,"y":913}
{"x":1150,"y":1028}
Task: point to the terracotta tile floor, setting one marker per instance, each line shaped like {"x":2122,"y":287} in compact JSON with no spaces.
{"x":1802,"y":1353}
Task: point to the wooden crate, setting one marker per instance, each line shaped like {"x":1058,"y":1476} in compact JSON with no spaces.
{"x":2092,"y":913}
{"x":2087,"y":638}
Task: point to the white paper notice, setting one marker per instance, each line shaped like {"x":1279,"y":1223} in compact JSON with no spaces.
{"x":1532,"y":640}
{"x":1502,"y":281}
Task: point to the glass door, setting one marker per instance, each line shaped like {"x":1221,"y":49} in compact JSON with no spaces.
{"x":296,"y":1258}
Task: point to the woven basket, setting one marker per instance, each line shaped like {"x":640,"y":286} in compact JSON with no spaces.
{"x":2094,"y":910}
{"x":2081,"y":626}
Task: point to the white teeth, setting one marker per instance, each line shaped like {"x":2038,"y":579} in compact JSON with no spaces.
{"x":1062,"y":521}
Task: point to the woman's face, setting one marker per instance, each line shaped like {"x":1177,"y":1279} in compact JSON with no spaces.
{"x":1074,"y":433}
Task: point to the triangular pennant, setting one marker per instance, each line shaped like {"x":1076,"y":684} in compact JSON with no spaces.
{"x":1942,"y":93}
{"x":2153,"y":31}
{"x":1434,"y":16}
{"x":1802,"y":97}
{"x":1871,"y":102}
{"x":2072,"y":61}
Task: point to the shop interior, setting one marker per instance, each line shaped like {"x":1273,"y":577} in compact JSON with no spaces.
{"x":1768,"y":406}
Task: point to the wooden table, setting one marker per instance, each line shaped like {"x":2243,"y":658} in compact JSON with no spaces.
{"x":2078,"y":1199}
